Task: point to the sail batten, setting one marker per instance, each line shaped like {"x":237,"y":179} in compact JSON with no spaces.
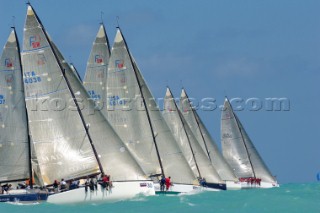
{"x":239,"y":150}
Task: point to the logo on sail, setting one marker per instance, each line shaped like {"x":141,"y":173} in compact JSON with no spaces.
{"x":98,"y":59}
{"x":119,"y":64}
{"x":34,"y":41}
{"x":41,"y":59}
{"x":94,"y":95}
{"x":9,"y":79}
{"x":8,"y":62}
{"x":2,"y":99}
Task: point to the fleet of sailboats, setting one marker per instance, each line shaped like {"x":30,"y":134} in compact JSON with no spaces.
{"x":196,"y":157}
{"x":206,"y":142}
{"x":54,"y":127}
{"x":133,"y":113}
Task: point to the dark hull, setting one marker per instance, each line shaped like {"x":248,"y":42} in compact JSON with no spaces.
{"x":218,"y":186}
{"x":28,"y":197}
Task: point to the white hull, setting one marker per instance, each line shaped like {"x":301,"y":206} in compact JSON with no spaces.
{"x":263,"y":185}
{"x":178,"y":188}
{"x":233,"y":185}
{"x":120,"y":191}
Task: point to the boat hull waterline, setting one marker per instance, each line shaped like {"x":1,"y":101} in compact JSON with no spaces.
{"x":120,"y":191}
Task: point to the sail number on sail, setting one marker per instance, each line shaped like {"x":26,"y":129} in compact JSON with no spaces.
{"x":94,"y":95}
{"x":31,"y":77}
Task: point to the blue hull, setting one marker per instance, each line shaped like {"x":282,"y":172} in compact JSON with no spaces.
{"x":32,"y":197}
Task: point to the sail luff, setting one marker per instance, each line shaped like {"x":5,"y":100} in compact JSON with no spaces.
{"x":14,"y":156}
{"x":72,"y":94}
{"x":145,"y":107}
{"x":170,"y":96}
{"x":198,"y":125}
{"x":27,"y":123}
{"x":127,"y":114}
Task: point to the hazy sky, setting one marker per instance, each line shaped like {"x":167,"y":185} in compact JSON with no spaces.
{"x":242,"y":49}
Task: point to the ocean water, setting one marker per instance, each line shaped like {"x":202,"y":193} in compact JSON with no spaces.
{"x":287,"y":198}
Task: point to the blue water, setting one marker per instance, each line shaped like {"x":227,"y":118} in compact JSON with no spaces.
{"x":288,"y":198}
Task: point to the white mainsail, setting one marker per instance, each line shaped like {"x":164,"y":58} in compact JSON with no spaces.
{"x":14,"y":143}
{"x":59,"y":135}
{"x":97,"y":65}
{"x":204,"y":138}
{"x":196,"y":157}
{"x":134,"y":115}
{"x":238,"y":149}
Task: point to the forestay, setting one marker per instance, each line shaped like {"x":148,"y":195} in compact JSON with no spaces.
{"x":204,"y":138}
{"x":14,"y":145}
{"x":238,"y":149}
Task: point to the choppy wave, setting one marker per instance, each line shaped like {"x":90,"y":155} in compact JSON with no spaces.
{"x":287,"y":198}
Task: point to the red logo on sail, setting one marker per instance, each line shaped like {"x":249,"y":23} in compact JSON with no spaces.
{"x":98,"y":59}
{"x":119,"y":64}
{"x":35,"y":41}
{"x":9,"y":79}
{"x":41,"y":59}
{"x":8,"y":62}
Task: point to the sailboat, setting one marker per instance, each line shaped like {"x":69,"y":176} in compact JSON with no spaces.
{"x":15,"y":147}
{"x":206,"y":142}
{"x":96,"y":74}
{"x":133,"y":113}
{"x":196,"y":157}
{"x":241,"y":154}
{"x":70,"y":141}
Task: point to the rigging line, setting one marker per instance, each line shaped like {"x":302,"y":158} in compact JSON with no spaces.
{"x":13,"y":22}
{"x":244,"y":142}
{"x":101,"y":17}
{"x":188,"y":138}
{"x":145,"y":104}
{"x":198,"y":124}
{"x":27,"y":118}
{"x":71,"y":92}
{"x":118,"y":26}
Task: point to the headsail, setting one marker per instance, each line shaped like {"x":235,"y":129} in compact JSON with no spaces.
{"x":133,"y":122}
{"x":238,"y":149}
{"x":96,"y":73}
{"x":204,"y":138}
{"x":114,"y":157}
{"x":196,"y":157}
{"x":14,"y":145}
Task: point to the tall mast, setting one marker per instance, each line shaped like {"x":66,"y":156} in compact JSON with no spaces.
{"x":244,"y":143}
{"x":198,"y":124}
{"x":144,"y":103}
{"x":184,"y":129}
{"x":29,"y":138}
{"x":72,"y":93}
